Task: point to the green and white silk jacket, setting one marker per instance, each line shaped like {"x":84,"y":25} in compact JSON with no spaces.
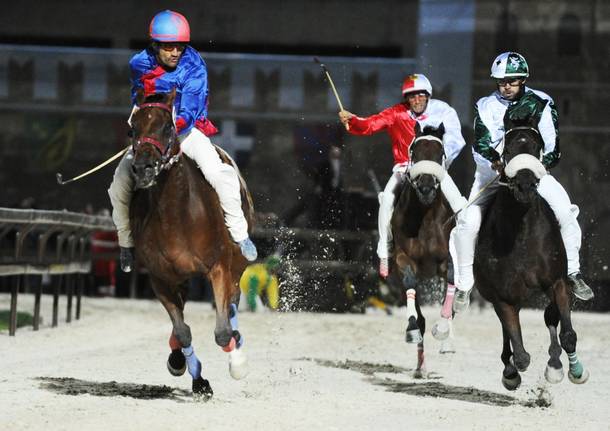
{"x":490,"y":113}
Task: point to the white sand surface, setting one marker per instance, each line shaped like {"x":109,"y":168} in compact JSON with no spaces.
{"x":307,"y":372}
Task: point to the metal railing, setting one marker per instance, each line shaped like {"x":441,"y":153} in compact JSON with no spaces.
{"x":38,"y":242}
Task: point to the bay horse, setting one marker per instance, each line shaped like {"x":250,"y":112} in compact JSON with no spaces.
{"x":420,"y":231}
{"x":179,"y":231}
{"x":520,"y":249}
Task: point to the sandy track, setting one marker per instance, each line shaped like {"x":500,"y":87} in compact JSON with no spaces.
{"x":307,"y":371}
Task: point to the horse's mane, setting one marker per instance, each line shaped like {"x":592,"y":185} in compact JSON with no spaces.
{"x":156,"y":98}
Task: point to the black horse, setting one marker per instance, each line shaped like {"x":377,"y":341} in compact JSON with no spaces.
{"x":520,"y":249}
{"x":419,"y":228}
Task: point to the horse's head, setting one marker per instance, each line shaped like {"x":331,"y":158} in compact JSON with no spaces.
{"x":153,"y":136}
{"x":522,"y":153}
{"x":427,"y":155}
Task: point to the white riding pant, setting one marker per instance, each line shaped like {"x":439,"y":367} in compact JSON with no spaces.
{"x":386,"y":206}
{"x":463,"y":238}
{"x":221,"y":176}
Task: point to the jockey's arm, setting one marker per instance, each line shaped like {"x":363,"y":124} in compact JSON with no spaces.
{"x":482,"y":139}
{"x":453,"y":141}
{"x":194,"y":96}
{"x":372,"y":124}
{"x":550,"y":136}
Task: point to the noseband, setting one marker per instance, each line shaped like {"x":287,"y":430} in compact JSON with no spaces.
{"x":431,"y":166}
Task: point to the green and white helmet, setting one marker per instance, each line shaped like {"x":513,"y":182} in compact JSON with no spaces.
{"x":509,"y":64}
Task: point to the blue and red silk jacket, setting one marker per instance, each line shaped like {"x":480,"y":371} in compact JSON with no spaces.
{"x":397,"y":121}
{"x":189,"y":78}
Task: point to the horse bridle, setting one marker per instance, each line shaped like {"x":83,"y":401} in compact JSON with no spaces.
{"x":165,"y":151}
{"x":414,"y":182}
{"x":510,"y":182}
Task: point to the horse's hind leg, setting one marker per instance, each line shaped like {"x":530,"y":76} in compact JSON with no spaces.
{"x":577,"y":373}
{"x":181,"y":338}
{"x":228,"y":337}
{"x":554,"y":369}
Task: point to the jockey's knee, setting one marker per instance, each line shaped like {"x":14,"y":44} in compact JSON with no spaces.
{"x":469,"y":220}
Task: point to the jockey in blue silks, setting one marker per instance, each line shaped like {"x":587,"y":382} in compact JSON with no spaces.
{"x":170,"y":63}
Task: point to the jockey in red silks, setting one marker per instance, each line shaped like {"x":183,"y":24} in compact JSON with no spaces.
{"x":170,"y":63}
{"x":399,"y":121}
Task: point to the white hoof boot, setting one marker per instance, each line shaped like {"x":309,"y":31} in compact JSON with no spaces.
{"x":553,"y":375}
{"x":238,"y":364}
{"x":441,"y":329}
{"x":579,"y":380}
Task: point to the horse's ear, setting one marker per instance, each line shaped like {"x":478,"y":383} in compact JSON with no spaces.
{"x":140,"y":96}
{"x":441,"y":130}
{"x":417,"y":128}
{"x":171,"y":96}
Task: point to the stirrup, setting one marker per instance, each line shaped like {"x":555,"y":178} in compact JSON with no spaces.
{"x":461,"y":300}
{"x":384,"y":268}
{"x":126,"y":258}
{"x":580,"y":289}
{"x":248,"y":249}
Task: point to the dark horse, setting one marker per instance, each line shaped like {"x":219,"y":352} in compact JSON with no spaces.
{"x":520,"y":249}
{"x":179,"y":231}
{"x":420,"y":230}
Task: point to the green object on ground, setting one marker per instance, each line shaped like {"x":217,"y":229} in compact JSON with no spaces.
{"x":23,"y":319}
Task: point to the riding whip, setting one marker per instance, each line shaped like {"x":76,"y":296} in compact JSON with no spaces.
{"x":332,"y":85}
{"x":98,"y":167}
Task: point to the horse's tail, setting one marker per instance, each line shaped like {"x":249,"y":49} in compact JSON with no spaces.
{"x":245,"y":193}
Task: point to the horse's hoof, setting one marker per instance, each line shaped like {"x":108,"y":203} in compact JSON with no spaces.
{"x":511,"y":383}
{"x":441,"y":329}
{"x":579,"y":380}
{"x":202,"y":391}
{"x":553,"y":375}
{"x":420,"y":373}
{"x":447,"y":347}
{"x":176,"y":363}
{"x":414,"y":336}
{"x":238,"y":364}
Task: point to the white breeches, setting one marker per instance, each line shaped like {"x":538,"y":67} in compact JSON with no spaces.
{"x":222,"y":177}
{"x":386,"y":206}
{"x":463,"y":238}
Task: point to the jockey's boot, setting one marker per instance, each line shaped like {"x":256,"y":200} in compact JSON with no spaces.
{"x":126,"y":258}
{"x":580,"y":289}
{"x":461,"y":300}
{"x":384,"y":267}
{"x":248,"y":249}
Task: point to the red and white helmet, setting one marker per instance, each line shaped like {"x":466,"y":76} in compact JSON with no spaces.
{"x":416,"y":82}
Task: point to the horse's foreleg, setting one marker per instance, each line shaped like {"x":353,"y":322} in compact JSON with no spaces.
{"x":554,"y":368}
{"x":510,"y":376}
{"x":413,"y":334}
{"x":509,"y":316}
{"x":420,"y":371}
{"x":227,"y":332}
{"x":180,"y":340}
{"x":442,"y":329}
{"x":577,"y":374}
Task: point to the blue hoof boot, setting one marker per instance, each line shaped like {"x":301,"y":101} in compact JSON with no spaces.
{"x":248,"y":249}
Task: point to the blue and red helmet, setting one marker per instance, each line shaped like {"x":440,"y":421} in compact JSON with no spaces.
{"x":169,"y":26}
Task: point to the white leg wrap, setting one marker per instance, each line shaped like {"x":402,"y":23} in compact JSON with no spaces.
{"x":566,"y":213}
{"x":222,"y":177}
{"x":452,"y":194}
{"x":120,"y":192}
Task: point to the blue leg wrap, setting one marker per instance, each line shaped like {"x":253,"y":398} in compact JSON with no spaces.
{"x":576,"y":367}
{"x":192,"y":362}
{"x":234,"y":324}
